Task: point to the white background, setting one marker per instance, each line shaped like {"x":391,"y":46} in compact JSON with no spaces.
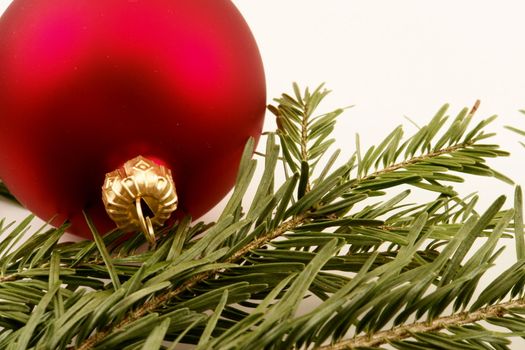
{"x":393,"y":59}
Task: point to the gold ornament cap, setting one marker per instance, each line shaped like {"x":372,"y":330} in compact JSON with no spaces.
{"x":140,"y":195}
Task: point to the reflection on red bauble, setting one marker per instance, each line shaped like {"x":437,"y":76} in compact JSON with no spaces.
{"x":86,"y":85}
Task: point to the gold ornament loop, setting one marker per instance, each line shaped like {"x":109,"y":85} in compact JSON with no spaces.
{"x":140,"y":184}
{"x":145,"y":223}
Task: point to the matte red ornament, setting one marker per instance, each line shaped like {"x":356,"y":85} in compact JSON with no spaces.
{"x":86,"y":85}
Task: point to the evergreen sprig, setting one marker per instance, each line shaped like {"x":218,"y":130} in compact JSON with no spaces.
{"x":379,"y":269}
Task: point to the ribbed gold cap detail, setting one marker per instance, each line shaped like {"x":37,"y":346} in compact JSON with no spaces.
{"x":138,"y":186}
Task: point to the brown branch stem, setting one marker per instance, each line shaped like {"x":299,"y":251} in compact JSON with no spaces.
{"x":406,"y":331}
{"x":304,"y":140}
{"x":9,"y":278}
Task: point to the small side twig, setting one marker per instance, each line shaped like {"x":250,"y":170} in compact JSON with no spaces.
{"x":406,"y":331}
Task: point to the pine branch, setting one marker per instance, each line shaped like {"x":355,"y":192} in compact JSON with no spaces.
{"x":442,"y":323}
{"x":237,"y":283}
{"x":160,"y":300}
{"x":425,"y":170}
{"x":413,"y":161}
{"x":304,"y":139}
{"x":435,"y":153}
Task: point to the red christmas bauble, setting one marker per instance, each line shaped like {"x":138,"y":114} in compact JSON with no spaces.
{"x":86,"y":85}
